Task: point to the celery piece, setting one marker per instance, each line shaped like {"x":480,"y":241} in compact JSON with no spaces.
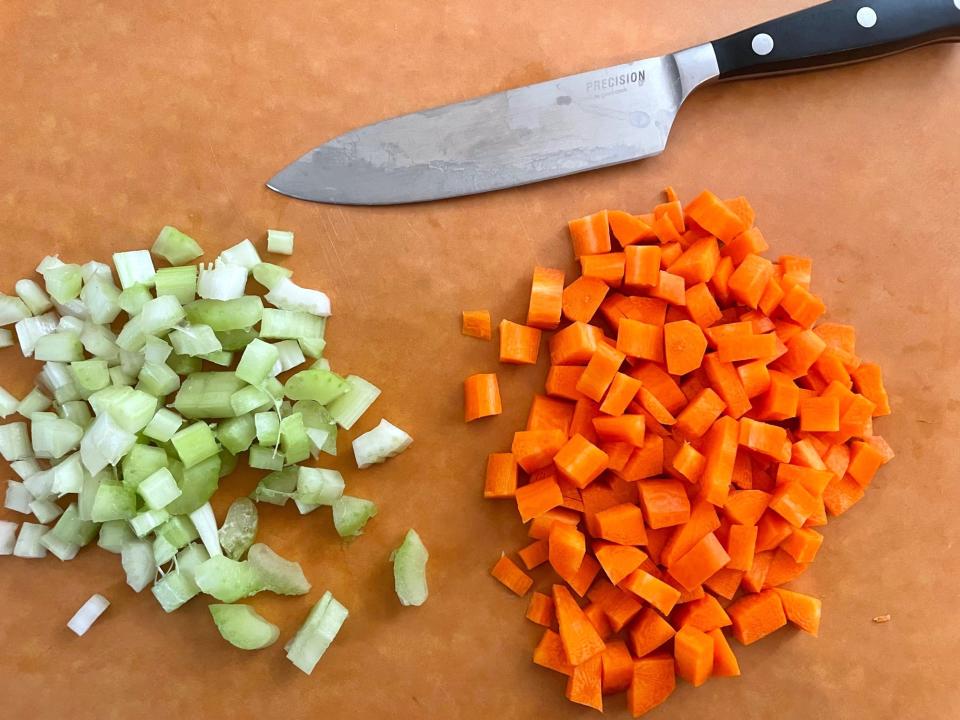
{"x":161,"y":314}
{"x":12,"y":310}
{"x":239,"y":528}
{"x":132,"y":362}
{"x":102,"y":298}
{"x":132,"y":409}
{"x":63,"y":551}
{"x":257,"y":361}
{"x":384,"y":441}
{"x":236,"y":434}
{"x":173,"y":590}
{"x":350,"y":514}
{"x":132,"y":337}
{"x":8,"y":403}
{"x":113,"y":502}
{"x":28,"y":543}
{"x":18,"y":498}
{"x":46,"y":511}
{"x":312,"y":347}
{"x":59,"y":347}
{"x":55,"y":377}
{"x":317,"y":632}
{"x":220,"y":357}
{"x":156,"y":350}
{"x":163,"y":550}
{"x":268,"y":428}
{"x":67,"y":476}
{"x":190,"y":558}
{"x":159,"y":489}
{"x":8,"y":537}
{"x":88,"y":494}
{"x":6,"y":339}
{"x":136,"y":557}
{"x":194,"y":340}
{"x":148,"y":521}
{"x":54,"y":437}
{"x":243,"y":254}
{"x":180,"y":282}
{"x":222,"y":281}
{"x":195,"y":443}
{"x":184,"y":364}
{"x":132,"y":300}
{"x":249,"y":399}
{"x":175,"y":247}
{"x":290,"y":324}
{"x":178,"y":531}
{"x":77,"y":412}
{"x":227,"y":580}
{"x":163,"y":426}
{"x":274,"y":388}
{"x":34,"y":402}
{"x":71,"y":324}
{"x":114,"y":534}
{"x":33,"y":296}
{"x":348,"y":408}
{"x":158,"y":380}
{"x":133,"y":267}
{"x":31,"y":329}
{"x":207,"y":395}
{"x":302,"y":507}
{"x":276,"y":488}
{"x":14,"y":442}
{"x":321,"y":386}
{"x":243,"y":627}
{"x":222,"y":315}
{"x":287,"y":295}
{"x":206,"y":524}
{"x":197,"y":484}
{"x":265,"y":458}
{"x":268,"y":274}
{"x":63,"y":282}
{"x":319,"y":486}
{"x":294,"y":441}
{"x":410,"y":570}
{"x":90,"y":375}
{"x":99,"y":341}
{"x":277,"y":574}
{"x":290,"y":356}
{"x":140,"y":463}
{"x":228,"y":462}
{"x":280,"y":242}
{"x":232,"y":340}
{"x":118,"y":378}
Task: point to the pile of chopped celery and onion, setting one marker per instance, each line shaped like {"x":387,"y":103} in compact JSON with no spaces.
{"x":128,"y":431}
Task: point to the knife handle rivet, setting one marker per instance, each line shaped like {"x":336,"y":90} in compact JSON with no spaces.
{"x":762,"y":43}
{"x":867,"y":16}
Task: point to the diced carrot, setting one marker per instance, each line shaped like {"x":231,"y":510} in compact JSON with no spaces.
{"x":602,"y":368}
{"x":597,"y":496}
{"x":501,"y":478}
{"x":666,"y":230}
{"x":689,"y":462}
{"x":641,"y":266}
{"x":550,"y":654}
{"x":618,"y":561}
{"x":792,"y":502}
{"x":698,"y":262}
{"x":713,"y":215}
{"x":598,"y":618}
{"x":741,"y":544}
{"x":703,"y":521}
{"x":534,"y":499}
{"x":580,"y":640}
{"x":720,"y":450}
{"x":618,"y":453}
{"x":771,"y":440}
{"x":540,"y":609}
{"x":701,"y":305}
{"x":746,"y":347}
{"x":665,"y":503}
{"x":608,"y":267}
{"x":534,"y":449}
{"x":621,"y":607}
{"x":481,"y":396}
{"x":720,"y":282}
{"x":562,"y":381}
{"x":684,"y":346}
{"x":582,"y":298}
{"x":590,"y":234}
{"x":580,"y":461}
{"x":700,"y":414}
{"x":664,"y":387}
{"x":656,"y":592}
{"x":802,"y":610}
{"x":820,"y":414}
{"x":705,"y":614}
{"x":749,"y":242}
{"x":742,"y":208}
{"x":654,"y":680}
{"x":545,"y":298}
{"x":725,"y":582}
{"x":622,"y":524}
{"x":772,"y":296}
{"x":629,"y":229}
{"x":476,"y":323}
{"x":805,"y":454}
{"x":783,"y":569}
{"x":540,"y":527}
{"x":865,"y":460}
{"x":535,"y":554}
{"x":756,"y":616}
{"x":584,"y":412}
{"x":772,"y":529}
{"x":652,"y":407}
{"x":726,"y":383}
{"x":640,"y":340}
{"x":624,"y":428}
{"x":743,"y":470}
{"x":620,"y":394}
{"x":519,"y":344}
{"x":669,"y":287}
{"x":882,"y":447}
{"x":813,"y":481}
{"x":869,"y":382}
{"x":507,"y":572}
{"x":617,"y":667}
{"x":686,"y":596}
{"x":830,"y":367}
{"x":646,"y":461}
{"x":646,"y":309}
{"x":648,"y":632}
{"x":581,"y":580}
{"x":693,"y":651}
{"x":750,"y":279}
{"x":674,"y":210}
{"x":841,"y":494}
{"x":670,"y":252}
{"x":803,"y":544}
{"x":566,"y":548}
{"x":549,"y":414}
{"x":803,"y":350}
{"x":575,"y":344}
{"x":755,"y":377}
{"x":724,"y":661}
{"x":754,"y":578}
{"x":740,"y":328}
{"x":802,"y":305}
{"x":700,"y":562}
{"x":780,"y":401}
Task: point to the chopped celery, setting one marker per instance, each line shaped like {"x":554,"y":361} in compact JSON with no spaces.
{"x":317,"y":632}
{"x":63,"y":282}
{"x":8,"y":537}
{"x":178,"y":531}
{"x":276,"y":488}
{"x":384,"y":441}
{"x":184,"y":364}
{"x":90,"y":375}
{"x":174,"y":589}
{"x":33,"y":296}
{"x":290,"y":324}
{"x":290,"y":356}
{"x":243,"y":254}
{"x":161,"y":314}
{"x":227,"y":580}
{"x":99,"y":341}
{"x":236,"y":339}
{"x":312,"y":347}
{"x":54,"y":437}
{"x":287,"y":295}
{"x":69,"y":323}
{"x":12,"y":310}
{"x":236,"y":434}
{"x":239,"y":528}
{"x":265,"y":458}
{"x":102,"y":298}
{"x":63,"y":551}
{"x":163,"y":426}
{"x":175,"y":247}
{"x":243,"y":627}
{"x":294,"y":441}
{"x":195,"y":443}
{"x":350,"y":514}
{"x":159,"y":489}
{"x":198,"y":484}
{"x":268,"y":274}
{"x":158,"y":380}
{"x":136,"y":557}
{"x":46,"y":511}
{"x":94,"y":270}
{"x":67,"y":476}
{"x":131,"y":362}
{"x":257,"y":361}
{"x":280,"y":242}
{"x":190,"y":558}
{"x":228,"y":462}
{"x":130,"y":409}
{"x":148,"y":521}
{"x":133,"y":267}
{"x":156,"y":350}
{"x":220,"y":357}
{"x":249,"y":399}
{"x":207,"y":395}
{"x":348,"y":408}
{"x":302,"y":507}
{"x":268,"y":428}
{"x":321,"y":386}
{"x":28,"y":543}
{"x":132,"y":337}
{"x":140,"y":463}
{"x":180,"y":282}
{"x":59,"y":347}
{"x":222,"y":281}
{"x":119,"y":378}
{"x":31,"y":329}
{"x":194,"y":340}
{"x":163,"y":550}
{"x":18,"y":498}
{"x":274,"y":388}
{"x":8,"y":403}
{"x":87,"y":614}
{"x":113,"y":502}
{"x":114,"y":534}
{"x":277,"y":574}
{"x":319,"y":486}
{"x":206,"y":525}
{"x":88,"y":494}
{"x":132,"y":300}
{"x":222,"y":315}
{"x":14,"y":442}
{"x":410,"y":570}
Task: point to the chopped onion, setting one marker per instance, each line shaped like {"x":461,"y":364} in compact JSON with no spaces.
{"x":28,"y":541}
{"x":136,"y":556}
{"x":290,"y":356}
{"x":54,"y":437}
{"x":45,"y":511}
{"x":222,"y":281}
{"x":61,"y":549}
{"x":287,"y":295}
{"x":14,"y":442}
{"x":243,"y":254}
{"x":12,"y":310}
{"x":194,"y":340}
{"x":8,"y":403}
{"x":206,"y":525}
{"x":375,"y":446}
{"x":6,"y":338}
{"x":68,"y":476}
{"x":8,"y":537}
{"x":104,"y":443}
{"x":88,"y":613}
{"x":31,"y":329}
{"x":25,"y":468}
{"x":18,"y":498}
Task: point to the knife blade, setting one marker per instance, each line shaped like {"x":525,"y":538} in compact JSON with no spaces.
{"x":593,"y":119}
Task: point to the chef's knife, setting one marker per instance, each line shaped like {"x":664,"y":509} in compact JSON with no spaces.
{"x":594,"y":119}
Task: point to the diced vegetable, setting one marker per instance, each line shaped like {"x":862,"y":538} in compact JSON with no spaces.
{"x":275,"y":573}
{"x":176,"y":247}
{"x":319,"y":486}
{"x":222,"y":281}
{"x":28,"y":543}
{"x":88,"y":614}
{"x":228,"y":580}
{"x":280,"y":242}
{"x":350,"y":515}
{"x":287,"y":295}
{"x":134,"y":268}
{"x":239,"y":528}
{"x":243,"y":254}
{"x":8,"y":537}
{"x":350,"y":406}
{"x":136,"y":556}
{"x":243,"y":627}
{"x":206,"y":525}
{"x":410,"y":570}
{"x":317,"y":632}
{"x":384,"y":441}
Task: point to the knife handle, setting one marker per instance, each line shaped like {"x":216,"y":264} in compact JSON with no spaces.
{"x":835,"y":33}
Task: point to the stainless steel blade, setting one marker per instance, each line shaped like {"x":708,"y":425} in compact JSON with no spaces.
{"x":555,"y":128}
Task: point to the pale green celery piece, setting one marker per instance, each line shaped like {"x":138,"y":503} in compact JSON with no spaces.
{"x":161,"y":314}
{"x":287,"y":295}
{"x":86,"y":496}
{"x":62,"y":550}
{"x":114,"y":502}
{"x":319,"y":486}
{"x":156,"y":350}
{"x":239,"y":528}
{"x":178,"y":531}
{"x":195,"y":443}
{"x":93,"y":269}
{"x":243,"y":627}
{"x":280,"y":242}
{"x":159,"y":489}
{"x":227,"y":580}
{"x":163,"y":550}
{"x":163,"y":426}
{"x":243,"y":254}
{"x":173,"y":590}
{"x":321,"y":386}
{"x":274,"y":388}
{"x":312,"y":347}
{"x":136,"y":557}
{"x":67,"y":476}
{"x":157,"y":380}
{"x":257,"y":362}
{"x":290,"y":356}
{"x":46,"y":511}
{"x":236,"y":434}
{"x":314,"y":414}
{"x":277,"y":487}
{"x":222,"y":315}
{"x":349,"y":407}
{"x":233,"y":340}
{"x":132,"y":300}
{"x":34,"y":402}
{"x":250,"y":399}
{"x":13,"y":310}
{"x":148,"y":521}
{"x":268,"y":274}
{"x":385,"y":441}
{"x":133,"y":267}
{"x":302,"y":507}
{"x":69,"y":323}
{"x":54,"y":437}
{"x":207,"y":395}
{"x":33,"y":296}
{"x":133,"y":409}
{"x":197,"y":484}
{"x":131,"y":362}
{"x":59,"y":347}
{"x":265,"y":458}
{"x":194,"y":340}
{"x":294,"y":441}
{"x":290,"y":324}
{"x":228,"y":463}
{"x":317,"y":632}
{"x":176,"y":247}
{"x":131,"y":337}
{"x":90,"y":375}
{"x":410,"y":570}
{"x":118,"y":378}
{"x":277,"y":574}
{"x":184,"y":364}
{"x":268,"y":428}
{"x":99,"y":341}
{"x":15,"y":442}
{"x":140,"y":463}
{"x":350,"y":514}
{"x":71,"y":528}
{"x":77,"y":412}
{"x":102,"y":299}
{"x":63,"y":282}
{"x":190,"y":558}
{"x":114,"y":534}
{"x":221,"y":358}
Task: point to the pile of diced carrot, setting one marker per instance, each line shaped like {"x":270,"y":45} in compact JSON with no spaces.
{"x":696,"y":428}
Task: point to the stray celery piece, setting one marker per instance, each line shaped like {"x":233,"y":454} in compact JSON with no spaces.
{"x":239,"y":528}
{"x":349,"y":407}
{"x":197,"y":484}
{"x":174,"y":589}
{"x":63,"y":282}
{"x":194,"y":340}
{"x":148,"y":521}
{"x":410,"y":570}
{"x":195,"y":443}
{"x":132,"y":300}
{"x":159,"y":489}
{"x":321,"y":386}
{"x":350,"y":514}
{"x":180,"y":282}
{"x":133,"y":267}
{"x":276,"y":488}
{"x":220,"y":357}
{"x":268,"y":428}
{"x":223,"y":315}
{"x":317,"y":632}
{"x":99,"y":341}
{"x":114,"y":534}
{"x":90,"y":376}
{"x":257,"y":361}
{"x":312,"y":347}
{"x":250,"y":399}
{"x":59,"y":347}
{"x":236,"y":434}
{"x":268,"y":274}
{"x":207,"y":395}
{"x":178,"y":531}
{"x":287,"y":295}
{"x":233,"y":340}
{"x":227,"y":580}
{"x":158,"y":379}
{"x":136,"y":556}
{"x":294,"y":441}
{"x":277,"y":574}
{"x":163,"y":426}
{"x":184,"y":364}
{"x":280,"y":242}
{"x":385,"y":441}
{"x":140,"y":463}
{"x":175,"y":247}
{"x":113,"y":502}
{"x":290,"y":324}
{"x":265,"y":458}
{"x":243,"y":627}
